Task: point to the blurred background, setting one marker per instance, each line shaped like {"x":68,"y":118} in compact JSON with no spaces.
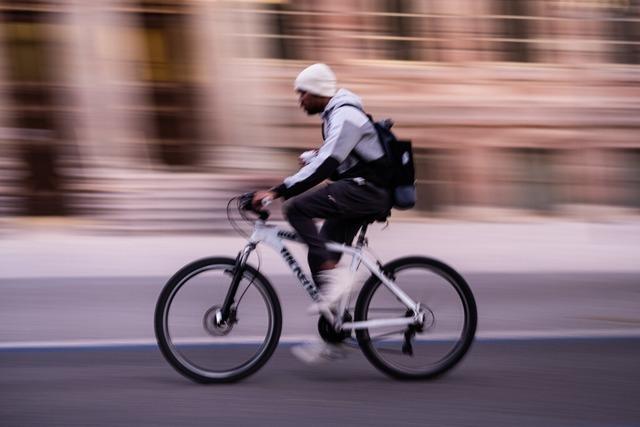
{"x":149,"y":115}
{"x":126,"y":126}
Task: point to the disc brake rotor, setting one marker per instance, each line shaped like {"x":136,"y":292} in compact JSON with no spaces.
{"x":213,"y":323}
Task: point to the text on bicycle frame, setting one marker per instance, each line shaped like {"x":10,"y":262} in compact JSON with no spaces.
{"x":306,"y":283}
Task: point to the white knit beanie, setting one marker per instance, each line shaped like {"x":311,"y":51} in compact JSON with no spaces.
{"x":317,"y":79}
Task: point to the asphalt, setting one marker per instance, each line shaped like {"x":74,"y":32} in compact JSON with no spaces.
{"x":536,"y":278}
{"x":558,"y":382}
{"x":557,"y":344}
{"x":53,"y":312}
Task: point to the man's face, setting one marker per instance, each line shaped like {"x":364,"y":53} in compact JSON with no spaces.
{"x":312,"y":104}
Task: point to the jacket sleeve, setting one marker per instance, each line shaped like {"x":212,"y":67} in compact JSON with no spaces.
{"x":340,"y":139}
{"x":315,"y":174}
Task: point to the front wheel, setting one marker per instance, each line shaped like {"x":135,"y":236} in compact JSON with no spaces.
{"x":194,"y":340}
{"x":439,"y":341}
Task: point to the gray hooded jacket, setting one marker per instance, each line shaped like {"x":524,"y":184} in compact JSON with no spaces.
{"x":351,"y":148}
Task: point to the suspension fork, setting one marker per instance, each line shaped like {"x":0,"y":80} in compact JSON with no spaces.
{"x":238,"y":270}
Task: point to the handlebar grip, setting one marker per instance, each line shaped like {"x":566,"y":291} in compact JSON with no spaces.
{"x":246,"y":203}
{"x":264,"y":214}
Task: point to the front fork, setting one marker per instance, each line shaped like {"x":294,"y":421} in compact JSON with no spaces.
{"x":238,"y":271}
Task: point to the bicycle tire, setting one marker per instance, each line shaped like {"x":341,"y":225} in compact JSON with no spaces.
{"x":170,"y":350}
{"x":467,"y":331}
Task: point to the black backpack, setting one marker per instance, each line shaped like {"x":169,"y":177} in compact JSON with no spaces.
{"x":400,"y":156}
{"x":400,"y":159}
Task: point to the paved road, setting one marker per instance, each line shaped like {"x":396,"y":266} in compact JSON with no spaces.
{"x":558,"y":382}
{"x":35,"y":310}
{"x":524,"y":382}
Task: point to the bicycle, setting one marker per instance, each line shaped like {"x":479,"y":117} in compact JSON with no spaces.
{"x":193,"y":323}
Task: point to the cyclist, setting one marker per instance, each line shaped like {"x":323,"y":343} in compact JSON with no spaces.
{"x":352,"y":158}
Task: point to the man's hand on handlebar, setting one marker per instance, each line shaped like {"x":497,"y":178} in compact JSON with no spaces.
{"x":262,"y":199}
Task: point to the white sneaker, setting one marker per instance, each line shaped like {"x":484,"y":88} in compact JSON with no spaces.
{"x":336,"y":283}
{"x":314,"y":353}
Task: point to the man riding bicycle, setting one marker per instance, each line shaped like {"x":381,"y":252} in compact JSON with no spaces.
{"x":353,"y":159}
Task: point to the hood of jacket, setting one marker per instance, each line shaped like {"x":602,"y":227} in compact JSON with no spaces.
{"x":342,"y":97}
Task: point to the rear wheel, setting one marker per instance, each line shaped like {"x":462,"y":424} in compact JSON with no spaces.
{"x":434,"y":345}
{"x":194,"y":340}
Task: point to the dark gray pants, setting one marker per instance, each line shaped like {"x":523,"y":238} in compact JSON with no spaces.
{"x":344,"y":205}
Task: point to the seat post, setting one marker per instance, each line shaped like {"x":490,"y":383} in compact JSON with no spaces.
{"x":361,"y":237}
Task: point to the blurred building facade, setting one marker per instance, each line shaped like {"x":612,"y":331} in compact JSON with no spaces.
{"x":520,"y":105}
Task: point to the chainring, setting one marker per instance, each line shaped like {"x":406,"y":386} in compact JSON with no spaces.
{"x":328,"y":332}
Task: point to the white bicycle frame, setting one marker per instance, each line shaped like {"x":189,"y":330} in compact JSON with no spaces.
{"x":273,"y":237}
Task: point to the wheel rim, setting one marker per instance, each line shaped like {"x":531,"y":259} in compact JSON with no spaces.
{"x":217,"y":356}
{"x":445,"y":329}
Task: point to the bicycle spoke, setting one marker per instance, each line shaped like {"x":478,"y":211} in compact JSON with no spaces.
{"x":203,"y":349}
{"x":419,"y":350}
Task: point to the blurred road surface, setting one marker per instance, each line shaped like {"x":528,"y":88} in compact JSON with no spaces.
{"x":557,"y":382}
{"x":99,"y":311}
{"x":559,"y":335}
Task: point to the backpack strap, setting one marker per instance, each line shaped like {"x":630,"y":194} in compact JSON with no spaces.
{"x":358,"y":108}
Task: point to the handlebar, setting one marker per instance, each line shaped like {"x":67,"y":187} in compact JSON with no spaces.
{"x":246,"y":203}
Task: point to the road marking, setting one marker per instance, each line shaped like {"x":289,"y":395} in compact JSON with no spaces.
{"x":559,"y":334}
{"x":294,"y":339}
